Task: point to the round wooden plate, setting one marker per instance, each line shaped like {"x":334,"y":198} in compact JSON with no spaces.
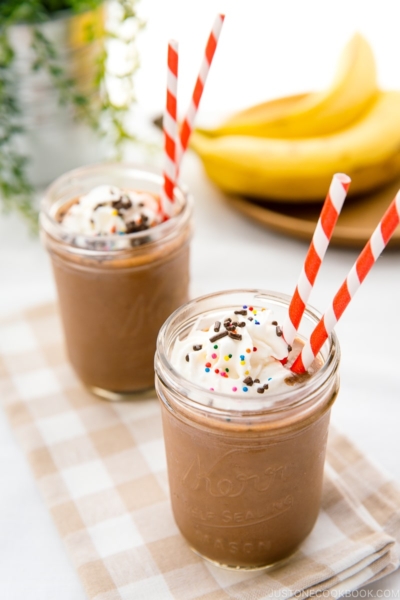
{"x":357,"y":221}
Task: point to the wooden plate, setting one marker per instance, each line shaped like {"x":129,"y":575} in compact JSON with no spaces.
{"x":357,"y":221}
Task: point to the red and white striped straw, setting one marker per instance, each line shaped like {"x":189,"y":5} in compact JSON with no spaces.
{"x":316,"y":252}
{"x":188,"y":123}
{"x":170,"y":128}
{"x":364,"y":263}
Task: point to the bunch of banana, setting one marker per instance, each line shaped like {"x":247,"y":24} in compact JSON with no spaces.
{"x":288,"y":149}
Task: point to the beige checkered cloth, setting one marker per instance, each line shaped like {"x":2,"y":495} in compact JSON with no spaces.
{"x":102,"y":472}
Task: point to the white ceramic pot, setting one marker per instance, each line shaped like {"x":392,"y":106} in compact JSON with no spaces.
{"x":54,"y":140}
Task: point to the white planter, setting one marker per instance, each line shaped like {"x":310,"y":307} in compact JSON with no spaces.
{"x":54,"y":140}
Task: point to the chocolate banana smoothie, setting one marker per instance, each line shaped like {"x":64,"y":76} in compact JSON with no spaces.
{"x":120,"y":268}
{"x":245,"y":439}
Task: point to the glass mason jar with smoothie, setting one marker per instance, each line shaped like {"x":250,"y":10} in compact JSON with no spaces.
{"x":120,"y":270}
{"x":245,"y":438}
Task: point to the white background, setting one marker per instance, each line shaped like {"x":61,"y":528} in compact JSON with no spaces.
{"x":267,"y":49}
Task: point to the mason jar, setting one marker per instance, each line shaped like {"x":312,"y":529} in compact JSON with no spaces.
{"x":115,"y":291}
{"x":245,"y":473}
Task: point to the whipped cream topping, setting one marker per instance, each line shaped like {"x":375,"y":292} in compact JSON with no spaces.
{"x":108,"y":210}
{"x":238,"y":351}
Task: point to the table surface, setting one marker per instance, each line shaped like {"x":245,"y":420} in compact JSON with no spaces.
{"x":228,"y":251}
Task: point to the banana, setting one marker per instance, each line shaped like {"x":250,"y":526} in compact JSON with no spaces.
{"x":301,"y":170}
{"x":352,"y":92}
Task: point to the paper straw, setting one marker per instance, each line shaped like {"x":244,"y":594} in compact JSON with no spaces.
{"x":188,"y":123}
{"x":170,"y":129}
{"x":364,"y":263}
{"x":316,"y":252}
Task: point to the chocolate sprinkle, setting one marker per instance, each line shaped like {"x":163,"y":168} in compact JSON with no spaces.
{"x":197,"y":347}
{"x":217,"y":337}
{"x":123,"y":202}
{"x":134,"y":227}
{"x":242,"y":324}
{"x":265,"y":386}
{"x":257,"y":381}
{"x":274,"y":322}
{"x":217,"y":326}
{"x":278,"y":331}
{"x":234,"y":336}
{"x":187,"y":357}
{"x":289,"y":348}
{"x":250,"y":318}
{"x":260,"y":390}
{"x":241,"y":312}
{"x":248,"y":381}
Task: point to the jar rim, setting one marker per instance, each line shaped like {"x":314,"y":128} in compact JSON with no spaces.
{"x":113,"y":243}
{"x":190,"y":393}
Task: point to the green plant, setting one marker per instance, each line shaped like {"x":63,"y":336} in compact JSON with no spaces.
{"x":104,"y":116}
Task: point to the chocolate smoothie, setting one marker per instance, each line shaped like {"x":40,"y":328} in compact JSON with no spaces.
{"x":245,"y":450}
{"x":120,"y":270}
